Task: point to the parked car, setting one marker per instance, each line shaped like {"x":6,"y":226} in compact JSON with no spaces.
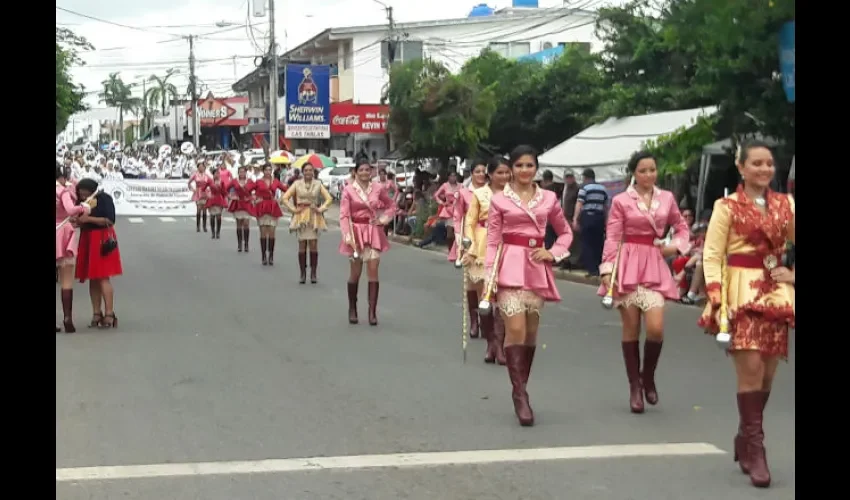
{"x":327,"y":176}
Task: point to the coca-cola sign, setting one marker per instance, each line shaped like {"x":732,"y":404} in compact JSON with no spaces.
{"x":348,"y":118}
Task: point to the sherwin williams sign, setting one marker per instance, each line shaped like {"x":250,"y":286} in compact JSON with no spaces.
{"x":308,"y":102}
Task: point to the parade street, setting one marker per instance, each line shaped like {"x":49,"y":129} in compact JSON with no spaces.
{"x":227,"y":380}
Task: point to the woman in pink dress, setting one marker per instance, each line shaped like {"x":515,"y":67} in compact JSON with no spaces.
{"x":241,"y":206}
{"x":524,"y":279}
{"x":267,"y":211}
{"x":463,"y":197}
{"x":198,"y":183}
{"x":66,"y":244}
{"x":216,"y":202}
{"x":446,"y":196}
{"x":364,"y":209}
{"x":637,"y":222}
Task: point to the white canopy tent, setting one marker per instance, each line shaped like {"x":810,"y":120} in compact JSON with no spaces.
{"x":606,"y":147}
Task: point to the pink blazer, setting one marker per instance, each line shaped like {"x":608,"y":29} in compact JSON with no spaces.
{"x":358,"y":204}
{"x":446,"y":194}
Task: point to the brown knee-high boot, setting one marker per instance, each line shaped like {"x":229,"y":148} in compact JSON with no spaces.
{"x":68,"y":310}
{"x":204,"y":219}
{"x":246,"y":235}
{"x":352,"y":302}
{"x":271,"y":250}
{"x":472,"y":306}
{"x":519,"y":360}
{"x":631,"y":357}
{"x":651,"y":354}
{"x":487,"y":332}
{"x":213,"y":219}
{"x":499,"y":336}
{"x":314,"y":266}
{"x":302,"y":266}
{"x":239,"y":237}
{"x":198,"y":221}
{"x":751,"y":412}
{"x":740,"y":443}
{"x":373,"y":302}
{"x":263,"y":247}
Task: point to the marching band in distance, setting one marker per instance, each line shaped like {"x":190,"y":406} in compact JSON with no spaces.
{"x":267,"y":211}
{"x":635,"y":246}
{"x":751,"y":294}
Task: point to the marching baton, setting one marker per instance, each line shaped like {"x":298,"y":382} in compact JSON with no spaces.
{"x":462,"y":244}
{"x":485,"y":307}
{"x":464,"y":335}
{"x":608,"y":299}
{"x":353,"y":242}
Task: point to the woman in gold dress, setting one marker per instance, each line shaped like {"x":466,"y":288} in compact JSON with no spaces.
{"x":743,"y":253}
{"x":308,"y":217}
{"x":475,"y":229}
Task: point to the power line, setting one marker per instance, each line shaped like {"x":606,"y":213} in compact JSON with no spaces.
{"x":136,"y":28}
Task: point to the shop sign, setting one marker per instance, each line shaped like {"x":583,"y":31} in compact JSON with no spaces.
{"x":347,"y":118}
{"x":308,"y":113}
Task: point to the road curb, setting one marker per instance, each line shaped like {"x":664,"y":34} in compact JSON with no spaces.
{"x":559,"y":273}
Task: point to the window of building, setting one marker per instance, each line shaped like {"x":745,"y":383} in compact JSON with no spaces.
{"x":582,"y":46}
{"x":511,"y":50}
{"x":408,"y":50}
{"x":348,"y":58}
{"x":547,"y":45}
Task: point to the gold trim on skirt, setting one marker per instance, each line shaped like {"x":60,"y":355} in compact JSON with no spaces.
{"x":513,"y":302}
{"x":267,"y":220}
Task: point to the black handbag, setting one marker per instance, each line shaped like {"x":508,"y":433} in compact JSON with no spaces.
{"x":108,"y":245}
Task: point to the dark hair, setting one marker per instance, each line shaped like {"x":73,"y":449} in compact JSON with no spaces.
{"x":588,"y":173}
{"x":60,"y":171}
{"x":362,"y":160}
{"x":548,"y":175}
{"x":496,"y":162}
{"x":453,"y":173}
{"x":637,"y":158}
{"x":86,"y":184}
{"x":747,"y":146}
{"x":476,"y":162}
{"x":521,"y":151}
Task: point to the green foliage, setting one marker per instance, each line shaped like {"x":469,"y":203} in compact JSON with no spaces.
{"x":675,"y":151}
{"x":538,"y":104}
{"x":69,"y":96}
{"x":680,"y":54}
{"x":435,"y":114}
{"x":119,"y":95}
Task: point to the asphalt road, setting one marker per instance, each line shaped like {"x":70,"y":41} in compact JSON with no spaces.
{"x":218,"y":359}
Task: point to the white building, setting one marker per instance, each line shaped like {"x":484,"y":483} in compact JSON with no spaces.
{"x":359,"y":58}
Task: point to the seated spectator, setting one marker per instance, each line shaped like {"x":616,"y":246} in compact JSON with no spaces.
{"x":687,"y":269}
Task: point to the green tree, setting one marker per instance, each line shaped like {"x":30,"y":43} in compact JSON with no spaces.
{"x":69,"y":96}
{"x":119,"y":95}
{"x":435,"y":114}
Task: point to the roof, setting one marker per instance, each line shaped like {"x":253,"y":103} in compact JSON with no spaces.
{"x":616,"y":139}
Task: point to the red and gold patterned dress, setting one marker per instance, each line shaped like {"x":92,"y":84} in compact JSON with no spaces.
{"x":751,"y":242}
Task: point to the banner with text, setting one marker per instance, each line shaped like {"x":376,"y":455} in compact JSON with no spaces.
{"x":348,"y":118}
{"x":136,"y":197}
{"x":308,"y":102}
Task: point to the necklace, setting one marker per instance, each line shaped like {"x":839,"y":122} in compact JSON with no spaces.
{"x":760,"y":201}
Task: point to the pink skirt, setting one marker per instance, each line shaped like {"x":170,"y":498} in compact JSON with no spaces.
{"x":366,"y":236}
{"x":67,"y":242}
{"x":518,"y":271}
{"x":644,"y":266}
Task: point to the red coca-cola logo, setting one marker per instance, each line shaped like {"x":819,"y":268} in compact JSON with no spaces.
{"x":346,"y":120}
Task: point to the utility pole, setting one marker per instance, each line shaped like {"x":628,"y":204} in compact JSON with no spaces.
{"x":274,"y":133}
{"x":392,"y":39}
{"x":193,"y":91}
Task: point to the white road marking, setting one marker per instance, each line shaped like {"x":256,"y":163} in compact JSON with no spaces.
{"x":136,"y":220}
{"x":167,"y":219}
{"x":383,"y":461}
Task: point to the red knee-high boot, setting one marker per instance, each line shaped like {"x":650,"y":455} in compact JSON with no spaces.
{"x":489,"y":335}
{"x":651,"y":354}
{"x":302,"y":267}
{"x":751,"y":411}
{"x":314,"y":266}
{"x":373,"y":302}
{"x":352,"y":302}
{"x":499,"y":336}
{"x":631,"y":357}
{"x":519,"y":361}
{"x":740,"y":443}
{"x":68,"y":310}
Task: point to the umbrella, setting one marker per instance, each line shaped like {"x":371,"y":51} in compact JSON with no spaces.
{"x":318,"y":161}
{"x":279,"y":160}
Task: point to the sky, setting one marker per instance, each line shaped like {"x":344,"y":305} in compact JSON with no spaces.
{"x":152,"y":39}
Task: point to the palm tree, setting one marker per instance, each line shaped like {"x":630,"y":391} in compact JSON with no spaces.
{"x":119,"y":95}
{"x":162,"y":92}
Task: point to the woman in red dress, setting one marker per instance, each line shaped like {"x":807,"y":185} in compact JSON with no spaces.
{"x":201,"y":179}
{"x":98,"y":256}
{"x":241,"y":206}
{"x":267,"y":211}
{"x":216,"y":203}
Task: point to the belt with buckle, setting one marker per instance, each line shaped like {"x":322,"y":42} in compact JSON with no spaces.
{"x":640,"y":239}
{"x":522,"y":241}
{"x":361,"y":220}
{"x":750,"y":261}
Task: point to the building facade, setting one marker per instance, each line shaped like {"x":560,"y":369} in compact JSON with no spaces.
{"x":359,"y":60}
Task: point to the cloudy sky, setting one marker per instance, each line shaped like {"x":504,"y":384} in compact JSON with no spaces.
{"x":150,"y":40}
